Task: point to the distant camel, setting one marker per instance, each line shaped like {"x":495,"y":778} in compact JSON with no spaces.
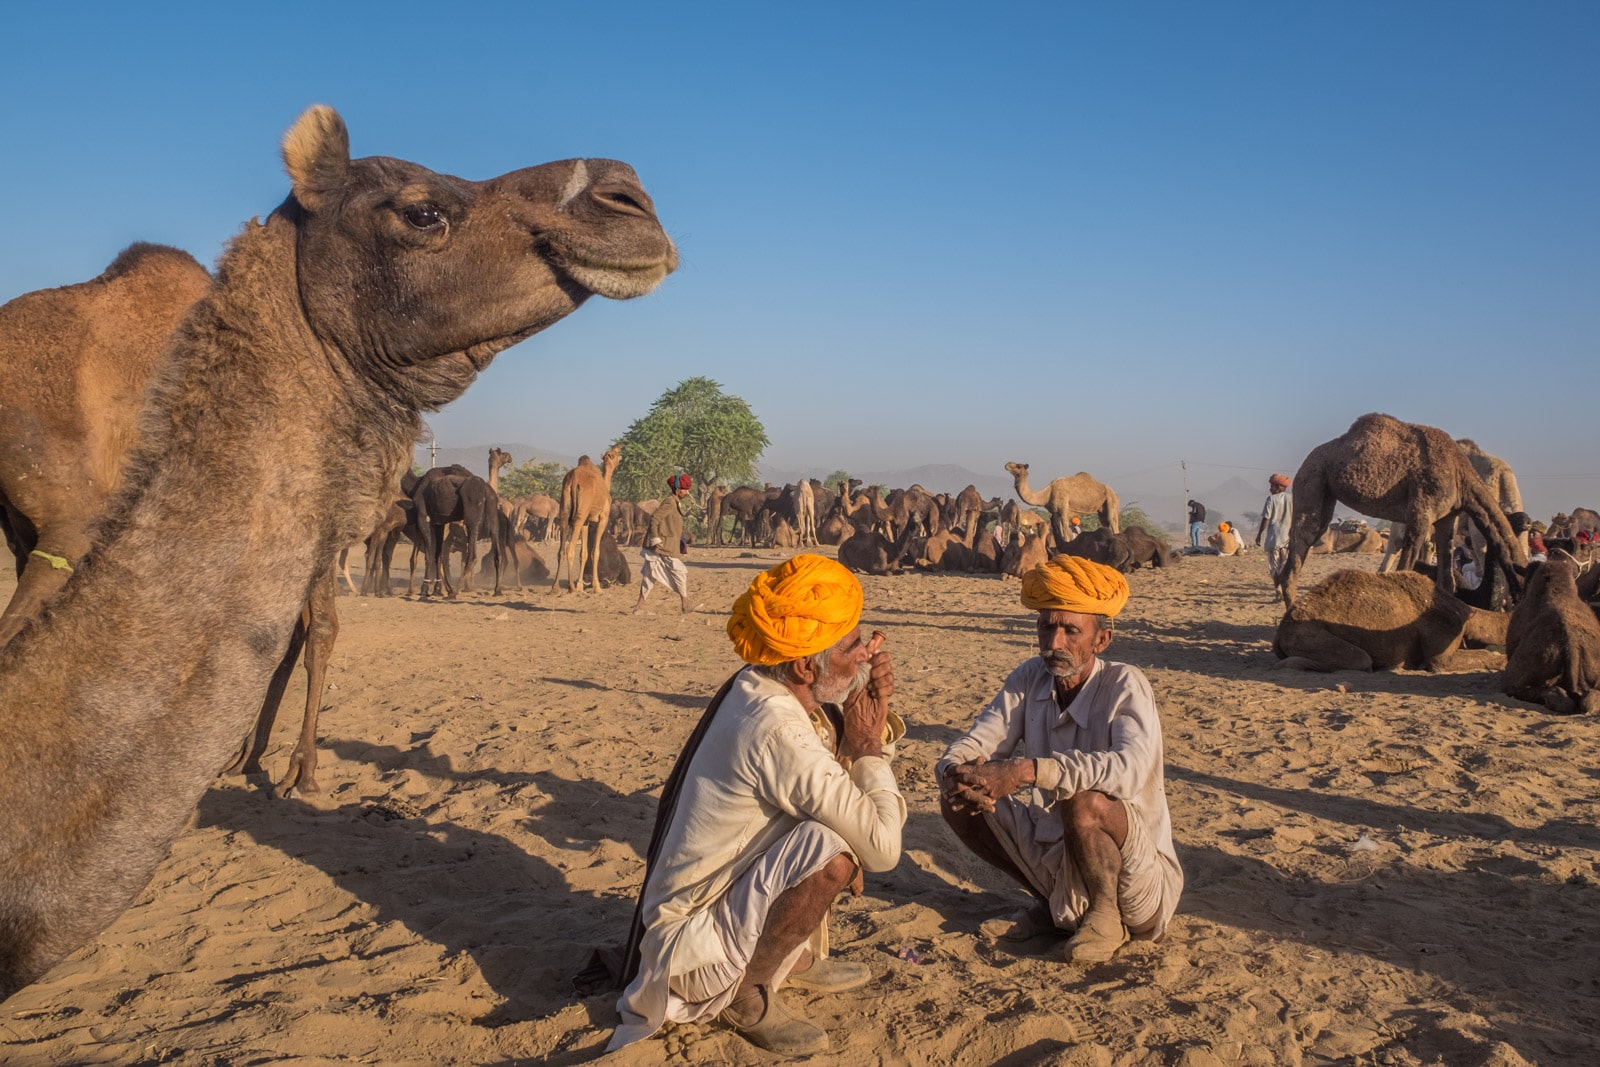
{"x":1063,"y":498}
{"x":1403,"y":472}
{"x":805,"y":501}
{"x":585,"y":514}
{"x":443,"y":497}
{"x":273,"y":436}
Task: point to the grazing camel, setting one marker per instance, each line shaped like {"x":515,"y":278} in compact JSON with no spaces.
{"x":1063,"y":498}
{"x":1553,"y":642}
{"x":1403,"y":472}
{"x":444,"y":497}
{"x":1360,"y":621}
{"x":75,"y":361}
{"x":274,"y":435}
{"x":585,"y":512}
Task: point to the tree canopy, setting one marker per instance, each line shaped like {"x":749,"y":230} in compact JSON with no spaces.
{"x":694,"y":427}
{"x":530,"y":478}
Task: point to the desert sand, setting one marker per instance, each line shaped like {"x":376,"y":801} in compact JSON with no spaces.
{"x":1399,"y":868}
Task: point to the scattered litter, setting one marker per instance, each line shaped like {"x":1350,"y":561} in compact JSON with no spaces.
{"x":1362,"y":844}
{"x":909,"y":954}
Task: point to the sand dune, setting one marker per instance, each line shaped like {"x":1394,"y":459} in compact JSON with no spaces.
{"x":1398,"y":868}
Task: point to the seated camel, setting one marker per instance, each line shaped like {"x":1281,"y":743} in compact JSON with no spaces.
{"x":1553,"y":641}
{"x":1359,"y":621}
{"x":1127,"y":550}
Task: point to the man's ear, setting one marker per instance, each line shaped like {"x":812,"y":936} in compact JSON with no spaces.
{"x":803,"y":671}
{"x":1102,"y":641}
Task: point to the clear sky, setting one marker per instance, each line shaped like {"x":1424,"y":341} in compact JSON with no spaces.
{"x":1087,"y":236}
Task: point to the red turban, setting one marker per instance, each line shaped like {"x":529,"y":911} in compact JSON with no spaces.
{"x":679,"y":481}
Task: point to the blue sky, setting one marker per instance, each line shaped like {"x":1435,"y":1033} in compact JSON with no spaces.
{"x":1089,"y":236}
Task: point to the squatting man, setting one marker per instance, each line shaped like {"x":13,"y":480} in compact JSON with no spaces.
{"x":781,"y":796}
{"x":1090,"y":838}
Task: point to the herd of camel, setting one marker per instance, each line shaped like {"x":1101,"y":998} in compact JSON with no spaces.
{"x":185,"y":457}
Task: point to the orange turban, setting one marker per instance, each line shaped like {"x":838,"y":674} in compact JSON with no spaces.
{"x":1279,"y":479}
{"x":1071,"y":583}
{"x":1223,"y":527}
{"x":795,"y":610}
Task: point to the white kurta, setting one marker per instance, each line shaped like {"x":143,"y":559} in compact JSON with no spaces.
{"x":760,"y":771}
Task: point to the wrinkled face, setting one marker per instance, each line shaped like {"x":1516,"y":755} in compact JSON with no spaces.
{"x":1069,"y":642}
{"x":400,"y":267}
{"x":842,"y":669}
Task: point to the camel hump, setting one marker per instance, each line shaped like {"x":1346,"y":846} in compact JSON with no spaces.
{"x":136,"y":254}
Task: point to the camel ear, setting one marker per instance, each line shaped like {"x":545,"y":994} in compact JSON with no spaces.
{"x":316,"y":153}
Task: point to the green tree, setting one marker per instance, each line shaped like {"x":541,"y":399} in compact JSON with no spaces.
{"x":832,"y":481}
{"x":693,"y":427}
{"x":532,"y":477}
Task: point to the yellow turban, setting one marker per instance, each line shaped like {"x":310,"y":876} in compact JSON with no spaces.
{"x":795,"y":610}
{"x":1071,"y":583}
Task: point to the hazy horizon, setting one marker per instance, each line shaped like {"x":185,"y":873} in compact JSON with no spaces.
{"x":1102,"y":238}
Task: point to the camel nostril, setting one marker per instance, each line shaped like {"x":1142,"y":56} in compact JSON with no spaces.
{"x":622,"y":202}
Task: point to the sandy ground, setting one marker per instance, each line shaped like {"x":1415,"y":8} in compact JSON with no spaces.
{"x":490,"y":768}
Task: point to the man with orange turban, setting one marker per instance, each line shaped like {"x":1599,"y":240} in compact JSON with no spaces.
{"x":1225,"y":540}
{"x":1276,"y":516}
{"x":1090,"y":838}
{"x":782,"y":795}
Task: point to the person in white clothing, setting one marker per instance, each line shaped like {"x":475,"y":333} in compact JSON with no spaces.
{"x":1091,"y":837}
{"x":782,"y":796}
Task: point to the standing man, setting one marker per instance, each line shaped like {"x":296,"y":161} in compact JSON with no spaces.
{"x":1197,"y":522}
{"x":781,"y":796}
{"x":1276,"y":515}
{"x":664,"y":546}
{"x":1090,"y":837}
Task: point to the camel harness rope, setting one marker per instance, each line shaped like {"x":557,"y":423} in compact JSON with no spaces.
{"x":58,"y":562}
{"x":1582,"y":567}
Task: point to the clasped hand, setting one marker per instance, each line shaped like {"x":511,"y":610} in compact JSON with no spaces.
{"x":974,"y":787}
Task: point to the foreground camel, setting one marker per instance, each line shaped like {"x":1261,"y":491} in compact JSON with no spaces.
{"x":74,"y":362}
{"x":1403,"y":472}
{"x":1359,"y":621}
{"x":274,"y":435}
{"x":1553,"y":642}
{"x":1065,"y":497}
{"x":585,"y":514}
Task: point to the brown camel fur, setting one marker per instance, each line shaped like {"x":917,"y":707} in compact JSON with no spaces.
{"x":1403,"y":472}
{"x":585,"y":514}
{"x":444,"y":497}
{"x":1367,"y":540}
{"x":75,"y":361}
{"x":869,"y":552}
{"x":273,"y":436}
{"x":745,"y":503}
{"x":540,"y":514}
{"x":1026,"y":551}
{"x":714,"y":513}
{"x":1127,"y":551}
{"x":1065,"y":497}
{"x":1565,"y":525}
{"x":1553,"y":642}
{"x":968,"y":506}
{"x":1359,"y":621}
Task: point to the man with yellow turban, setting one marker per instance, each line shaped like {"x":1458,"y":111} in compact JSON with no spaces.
{"x":1090,"y":837}
{"x":781,"y":797}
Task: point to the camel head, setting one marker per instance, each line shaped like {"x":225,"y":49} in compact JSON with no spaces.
{"x":1017,"y":470}
{"x":418,"y":279}
{"x":498,"y":459}
{"x":610,"y":459}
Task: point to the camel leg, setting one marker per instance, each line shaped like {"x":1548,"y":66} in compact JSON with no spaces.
{"x":1444,"y":532}
{"x":248,"y":759}
{"x":44,"y":567}
{"x":1552,"y":697}
{"x":322,"y":629}
{"x":1313,"y":648}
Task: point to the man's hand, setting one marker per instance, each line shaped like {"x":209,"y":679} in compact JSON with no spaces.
{"x":866,"y":711}
{"x":975,"y":786}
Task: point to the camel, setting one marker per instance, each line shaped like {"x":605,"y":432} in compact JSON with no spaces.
{"x":1581,"y":520}
{"x":1026,"y":551}
{"x":1336,"y":540}
{"x":75,"y":361}
{"x":968,"y":507}
{"x":1127,"y":551}
{"x":1553,"y":641}
{"x":714,"y":513}
{"x":1063,"y":498}
{"x":273,"y":435}
{"x":1360,"y":621}
{"x":443,"y":497}
{"x":539,"y":513}
{"x":63,"y":442}
{"x":745,"y":503}
{"x":1403,"y":472}
{"x":585,"y":513}
{"x":869,"y":552}
{"x":805,"y":508}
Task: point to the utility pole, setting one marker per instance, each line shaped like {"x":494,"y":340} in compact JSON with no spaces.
{"x":433,"y":451}
{"x":1185,"y":512}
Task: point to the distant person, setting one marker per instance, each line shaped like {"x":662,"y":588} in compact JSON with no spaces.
{"x":1074,"y":528}
{"x":1276,"y":514}
{"x":664,"y":546}
{"x":1537,"y":553}
{"x":1197,"y":522}
{"x":1225,"y":540}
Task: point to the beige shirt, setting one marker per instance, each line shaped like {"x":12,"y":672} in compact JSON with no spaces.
{"x":760,"y":770}
{"x":1108,"y":739}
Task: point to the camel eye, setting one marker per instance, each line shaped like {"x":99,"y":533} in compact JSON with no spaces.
{"x":423,"y":216}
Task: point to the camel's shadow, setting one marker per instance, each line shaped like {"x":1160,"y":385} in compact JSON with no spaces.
{"x":467,"y":890}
